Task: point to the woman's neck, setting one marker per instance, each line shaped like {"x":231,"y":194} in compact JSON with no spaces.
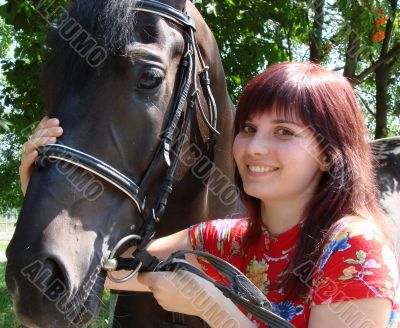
{"x":280,"y":216}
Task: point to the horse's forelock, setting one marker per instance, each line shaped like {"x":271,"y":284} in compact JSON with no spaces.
{"x":109,"y":22}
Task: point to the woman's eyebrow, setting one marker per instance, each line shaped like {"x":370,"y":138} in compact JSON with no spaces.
{"x":248,"y":122}
{"x":286,"y":122}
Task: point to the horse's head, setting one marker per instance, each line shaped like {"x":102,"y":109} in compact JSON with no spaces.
{"x":113,"y":82}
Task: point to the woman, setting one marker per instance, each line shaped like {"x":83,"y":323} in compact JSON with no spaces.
{"x":314,"y":241}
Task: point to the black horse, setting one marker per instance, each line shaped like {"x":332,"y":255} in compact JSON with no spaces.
{"x":112,"y":81}
{"x":115,"y":79}
{"x":387,"y":169}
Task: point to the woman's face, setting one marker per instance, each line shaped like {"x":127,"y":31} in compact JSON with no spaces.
{"x":277,"y":159}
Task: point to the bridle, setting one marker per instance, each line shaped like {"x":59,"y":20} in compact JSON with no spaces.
{"x":187,"y":92}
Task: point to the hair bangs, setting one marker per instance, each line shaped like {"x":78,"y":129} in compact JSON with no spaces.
{"x":277,"y":94}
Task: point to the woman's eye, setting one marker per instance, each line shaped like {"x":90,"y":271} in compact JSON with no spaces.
{"x":247,"y":129}
{"x":150,"y":80}
{"x":284,"y":132}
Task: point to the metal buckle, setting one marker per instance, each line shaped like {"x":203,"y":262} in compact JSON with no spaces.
{"x":111,"y":263}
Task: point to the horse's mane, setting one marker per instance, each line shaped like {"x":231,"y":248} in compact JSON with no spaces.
{"x":110,"y":22}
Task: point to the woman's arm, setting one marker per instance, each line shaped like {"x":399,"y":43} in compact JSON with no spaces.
{"x":368,"y":312}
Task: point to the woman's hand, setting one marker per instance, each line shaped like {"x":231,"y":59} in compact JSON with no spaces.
{"x":46,"y":133}
{"x":177,"y":291}
{"x":184,"y":292}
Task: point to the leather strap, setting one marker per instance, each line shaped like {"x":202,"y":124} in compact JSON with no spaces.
{"x":166,"y":11}
{"x":58,"y":152}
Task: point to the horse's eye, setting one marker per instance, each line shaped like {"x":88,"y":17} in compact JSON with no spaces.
{"x":150,"y":80}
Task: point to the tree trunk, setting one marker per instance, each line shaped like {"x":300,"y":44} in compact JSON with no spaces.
{"x":382,"y":75}
{"x":381,"y":81}
{"x":316,"y":54}
{"x":352,"y":56}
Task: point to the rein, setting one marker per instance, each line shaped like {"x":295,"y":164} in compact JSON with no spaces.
{"x":242,"y":291}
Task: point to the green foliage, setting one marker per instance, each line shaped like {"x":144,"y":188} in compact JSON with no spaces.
{"x":20,"y":98}
{"x":11,"y":196}
{"x":253,"y":34}
{"x":6,"y":33}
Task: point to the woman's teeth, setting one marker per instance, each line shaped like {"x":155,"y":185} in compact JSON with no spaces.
{"x":262,"y":169}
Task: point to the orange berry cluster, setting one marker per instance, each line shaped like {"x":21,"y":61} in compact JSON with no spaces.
{"x":379,"y":34}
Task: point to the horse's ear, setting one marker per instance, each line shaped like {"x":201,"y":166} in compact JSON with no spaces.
{"x":177,"y":4}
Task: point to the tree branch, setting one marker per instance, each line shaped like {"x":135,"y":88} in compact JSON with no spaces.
{"x":364,"y":104}
{"x":383,"y":59}
{"x":389,"y":28}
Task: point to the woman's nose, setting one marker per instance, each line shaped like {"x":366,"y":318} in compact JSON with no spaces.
{"x":259,"y":145}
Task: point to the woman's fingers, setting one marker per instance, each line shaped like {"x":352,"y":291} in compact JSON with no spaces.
{"x":53,"y":131}
{"x":46,"y":128}
{"x":45,"y":133}
{"x":175,"y":291}
{"x":34,"y":143}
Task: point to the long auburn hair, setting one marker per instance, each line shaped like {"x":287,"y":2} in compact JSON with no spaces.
{"x":324,"y":101}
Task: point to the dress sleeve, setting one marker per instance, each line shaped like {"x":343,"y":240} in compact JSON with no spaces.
{"x":222,"y":238}
{"x":356,"y":263}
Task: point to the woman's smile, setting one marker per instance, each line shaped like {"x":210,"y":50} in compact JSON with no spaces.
{"x":261,"y":170}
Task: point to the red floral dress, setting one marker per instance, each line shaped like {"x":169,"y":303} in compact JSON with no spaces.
{"x":356,"y":263}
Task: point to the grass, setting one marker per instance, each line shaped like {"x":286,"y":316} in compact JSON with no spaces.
{"x":7,"y":316}
{"x":9,"y":320}
{"x":7,"y":228}
{"x":7,"y":224}
{"x":3,"y":246}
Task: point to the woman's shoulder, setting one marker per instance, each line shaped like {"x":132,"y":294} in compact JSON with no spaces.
{"x":357,"y":262}
{"x":359,"y":235}
{"x":357,"y":226}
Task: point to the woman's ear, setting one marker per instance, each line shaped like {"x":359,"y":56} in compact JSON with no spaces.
{"x":324,"y":164}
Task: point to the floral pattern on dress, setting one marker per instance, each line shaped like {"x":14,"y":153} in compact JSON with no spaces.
{"x":257,"y":272}
{"x":356,"y":263}
{"x":224,"y":229}
{"x":339,"y":244}
{"x":287,"y":310}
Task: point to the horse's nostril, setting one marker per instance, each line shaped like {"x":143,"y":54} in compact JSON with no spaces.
{"x":53,"y":280}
